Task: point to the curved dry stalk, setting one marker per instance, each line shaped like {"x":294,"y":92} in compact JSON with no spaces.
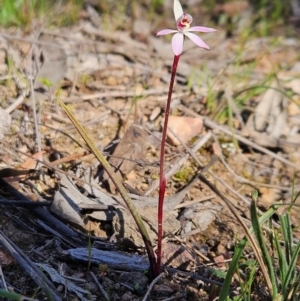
{"x":118,"y":184}
{"x":30,"y":268}
{"x":247,"y":232}
{"x":152,"y":285}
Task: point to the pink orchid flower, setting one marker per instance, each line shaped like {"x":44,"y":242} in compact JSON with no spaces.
{"x":184,"y":28}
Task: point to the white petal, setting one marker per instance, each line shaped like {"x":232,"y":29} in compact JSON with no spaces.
{"x":178,"y":11}
{"x":196,"y":40}
{"x":201,"y":29}
{"x":165,"y":31}
{"x":177,"y":43}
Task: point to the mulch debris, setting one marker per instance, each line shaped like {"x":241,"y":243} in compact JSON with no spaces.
{"x":84,"y":244}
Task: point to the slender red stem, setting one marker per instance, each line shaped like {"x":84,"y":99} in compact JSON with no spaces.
{"x":162,"y":179}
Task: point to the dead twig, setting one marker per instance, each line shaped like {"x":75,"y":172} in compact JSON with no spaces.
{"x":2,"y":279}
{"x":213,"y":125}
{"x":247,"y":233}
{"x":245,"y":181}
{"x":199,"y":143}
{"x":30,"y":268}
{"x":33,"y":53}
{"x":103,"y":292}
{"x":45,"y":215}
{"x":24,"y":203}
{"x":190,"y":203}
{"x":152,"y":285}
{"x":116,"y":94}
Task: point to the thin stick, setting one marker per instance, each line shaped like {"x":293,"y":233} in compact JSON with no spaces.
{"x":180,"y":162}
{"x":24,"y":203}
{"x":115,"y":94}
{"x":30,"y":268}
{"x":247,"y":232}
{"x":187,"y":204}
{"x":3,"y":279}
{"x":35,"y":117}
{"x":17,"y":102}
{"x":100,"y":287}
{"x":152,"y":284}
{"x":211,"y":124}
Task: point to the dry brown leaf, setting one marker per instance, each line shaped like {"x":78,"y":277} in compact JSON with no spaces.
{"x":5,"y":258}
{"x":28,"y":165}
{"x":131,"y":149}
{"x":31,"y":163}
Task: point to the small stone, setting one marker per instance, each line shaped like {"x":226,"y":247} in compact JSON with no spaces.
{"x":184,"y":128}
{"x":111,"y":81}
{"x":144,"y":186}
{"x":127,"y":297}
{"x":163,"y":290}
{"x":5,"y":258}
{"x":135,"y":279}
{"x":107,"y":283}
{"x":155,"y":113}
{"x":91,"y":287}
{"x":293,"y":108}
{"x":117,"y":286}
{"x":192,"y":293}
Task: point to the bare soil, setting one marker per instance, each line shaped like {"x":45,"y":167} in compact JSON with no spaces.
{"x":113,"y":80}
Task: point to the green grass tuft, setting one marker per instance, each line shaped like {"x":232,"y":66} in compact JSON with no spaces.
{"x":284,"y":274}
{"x":23,"y":12}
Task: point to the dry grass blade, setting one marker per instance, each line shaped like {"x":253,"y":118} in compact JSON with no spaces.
{"x":30,"y":268}
{"x":118,"y":184}
{"x":213,"y":125}
{"x":43,"y":213}
{"x":248,"y":235}
{"x":152,"y":285}
{"x":103,"y":292}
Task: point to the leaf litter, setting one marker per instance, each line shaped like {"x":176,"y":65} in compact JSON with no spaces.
{"x":115,"y":81}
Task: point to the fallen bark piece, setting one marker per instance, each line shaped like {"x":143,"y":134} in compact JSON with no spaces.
{"x":114,"y":259}
{"x":69,"y":202}
{"x":131,"y":149}
{"x":58,"y":278}
{"x":269,"y":121}
{"x":127,"y":233}
{"x":30,"y":268}
{"x":44,"y":214}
